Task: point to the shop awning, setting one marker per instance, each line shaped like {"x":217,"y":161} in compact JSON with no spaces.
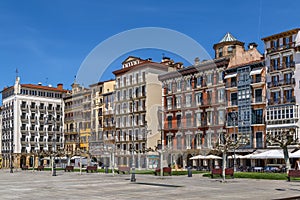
{"x":230,"y":75}
{"x":256,"y":71}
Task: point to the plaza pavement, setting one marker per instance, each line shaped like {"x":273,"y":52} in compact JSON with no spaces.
{"x":31,"y":185}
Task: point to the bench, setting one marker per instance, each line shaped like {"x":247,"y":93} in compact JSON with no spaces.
{"x":91,"y":169}
{"x":69,"y":168}
{"x":40,"y":168}
{"x":228,"y":172}
{"x":293,"y":173}
{"x":24,"y":167}
{"x":123,"y":169}
{"x":167,"y":170}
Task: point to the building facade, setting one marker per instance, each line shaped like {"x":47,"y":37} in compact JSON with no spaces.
{"x":197,"y":100}
{"x":32,"y":123}
{"x":136,"y":103}
{"x":102,"y":141}
{"x":77,"y":120}
{"x":282,"y":57}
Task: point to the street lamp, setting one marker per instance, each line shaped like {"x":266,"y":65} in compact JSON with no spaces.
{"x":54,"y":144}
{"x":233,"y":117}
{"x":11,"y":152}
{"x":132,"y":179}
{"x":159,"y":116}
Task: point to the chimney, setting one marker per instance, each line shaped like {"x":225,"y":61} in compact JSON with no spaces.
{"x":252,"y":45}
{"x":60,"y":86}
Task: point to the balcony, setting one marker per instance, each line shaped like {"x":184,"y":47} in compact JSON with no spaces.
{"x":274,"y":101}
{"x":288,"y":81}
{"x":233,"y":102}
{"x":259,"y":99}
{"x":288,"y":65}
{"x":231,"y":84}
{"x":289,"y":99}
{"x":273,"y":84}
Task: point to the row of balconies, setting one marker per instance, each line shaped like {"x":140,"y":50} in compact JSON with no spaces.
{"x":289,"y":81}
{"x":289,"y":65}
{"x":281,"y":47}
{"x":275,"y":101}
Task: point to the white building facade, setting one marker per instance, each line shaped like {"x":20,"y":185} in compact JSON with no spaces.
{"x":282,"y":59}
{"x":32,"y":123}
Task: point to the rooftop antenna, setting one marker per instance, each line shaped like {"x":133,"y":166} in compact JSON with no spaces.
{"x":46,"y":80}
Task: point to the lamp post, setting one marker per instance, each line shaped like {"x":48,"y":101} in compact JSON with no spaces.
{"x":11,"y":152}
{"x":234,"y":116}
{"x":132,"y":179}
{"x":159,"y":116}
{"x":54,"y":144}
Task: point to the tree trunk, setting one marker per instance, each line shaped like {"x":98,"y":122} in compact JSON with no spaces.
{"x":223,"y":165}
{"x":286,"y":159}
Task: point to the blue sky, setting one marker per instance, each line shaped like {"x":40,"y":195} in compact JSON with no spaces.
{"x":48,"y":40}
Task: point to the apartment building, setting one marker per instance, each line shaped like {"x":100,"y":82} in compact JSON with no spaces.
{"x":32,"y":122}
{"x":195,"y":103}
{"x":77,"y":120}
{"x":282,"y":58}
{"x":194,"y":110}
{"x":102,"y":140}
{"x":136,"y":104}
{"x":246,"y":94}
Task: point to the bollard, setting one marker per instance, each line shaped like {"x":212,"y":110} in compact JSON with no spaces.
{"x":190,"y":172}
{"x":106,"y":169}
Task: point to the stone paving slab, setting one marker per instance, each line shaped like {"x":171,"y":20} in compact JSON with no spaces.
{"x":71,"y":185}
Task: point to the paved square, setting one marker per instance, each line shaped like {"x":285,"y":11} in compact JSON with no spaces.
{"x":72,"y":185}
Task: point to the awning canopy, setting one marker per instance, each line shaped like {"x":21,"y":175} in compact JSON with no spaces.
{"x":256,"y":71}
{"x":205,"y":157}
{"x":230,"y":75}
{"x":296,"y":154}
{"x":270,"y":154}
{"x":237,"y":156}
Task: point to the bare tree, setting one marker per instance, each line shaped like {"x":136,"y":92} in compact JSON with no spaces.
{"x":227,"y":143}
{"x":284,"y":139}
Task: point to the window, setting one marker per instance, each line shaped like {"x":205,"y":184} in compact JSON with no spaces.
{"x":169,"y":122}
{"x":209,"y":78}
{"x":233,"y":99}
{"x":179,"y":145}
{"x":220,"y":51}
{"x":258,"y":95}
{"x":221,"y":77}
{"x":188,"y":100}
{"x":210,"y":118}
{"x":198,"y":99}
{"x":178,"y":120}
{"x":221,"y":117}
{"x":221,"y":95}
{"x":178,"y":101}
{"x":188,"y":120}
{"x":188,"y":84}
{"x":230,"y":49}
{"x":209,"y":97}
{"x":188,"y":141}
{"x":257,"y":116}
{"x":170,"y":87}
{"x":178,"y":85}
{"x":259,"y":140}
{"x":169,"y":103}
{"x":199,"y":81}
{"x":198,"y":140}
{"x":198,"y":119}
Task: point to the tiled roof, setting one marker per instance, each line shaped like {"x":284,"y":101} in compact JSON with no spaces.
{"x":228,"y":38}
{"x":32,"y":86}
